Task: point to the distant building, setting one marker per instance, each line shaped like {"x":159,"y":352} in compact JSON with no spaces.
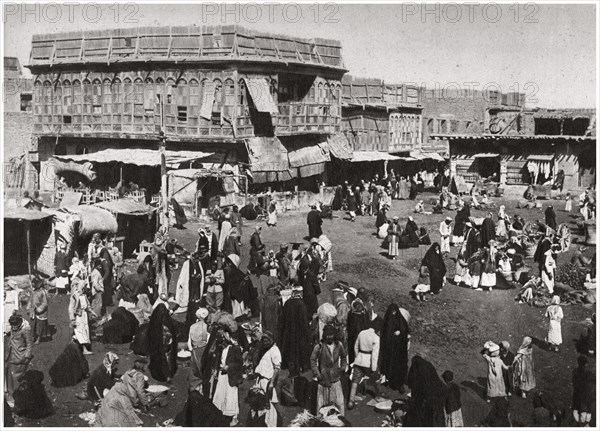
{"x":528,"y":146}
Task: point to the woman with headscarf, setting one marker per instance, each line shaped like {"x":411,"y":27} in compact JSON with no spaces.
{"x":496,"y":367}
{"x":524,"y":377}
{"x":393,"y":357}
{"x":488,"y":230}
{"x":460,"y":220}
{"x":488,"y":274}
{"x":237,"y":288}
{"x":461,"y":271}
{"x":358,"y":321}
{"x":70,"y":367}
{"x":229,"y":379}
{"x":102,"y":378}
{"x":78,"y":316}
{"x":162,"y":345}
{"x":434,"y":261}
{"x":198,"y":339}
{"x":548,"y":271}
{"x":232,"y":242}
{"x":555,"y":315}
{"x":107,"y":277}
{"x":428,"y":395}
{"x":550,"y":216}
{"x":394,"y":232}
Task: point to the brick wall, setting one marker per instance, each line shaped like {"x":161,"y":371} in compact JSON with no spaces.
{"x":18,"y":127}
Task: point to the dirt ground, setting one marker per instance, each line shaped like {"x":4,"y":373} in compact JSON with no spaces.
{"x":449,"y":330}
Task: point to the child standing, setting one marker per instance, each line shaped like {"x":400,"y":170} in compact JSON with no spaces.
{"x":555,"y":313}
{"x":568,"y":203}
{"x":452,"y":404}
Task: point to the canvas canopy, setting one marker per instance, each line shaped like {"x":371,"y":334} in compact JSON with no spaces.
{"x":126,"y":206}
{"x":25,"y":214}
{"x":485,"y":155}
{"x":371,"y":156}
{"x":136,"y":156}
{"x":339,"y":147}
{"x":258,"y":88}
{"x":541,"y":157}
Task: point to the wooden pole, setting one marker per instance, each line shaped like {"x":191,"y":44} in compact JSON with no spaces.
{"x":28,"y":234}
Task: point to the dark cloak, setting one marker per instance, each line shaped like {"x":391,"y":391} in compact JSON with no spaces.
{"x":550,"y":217}
{"x":31,"y":400}
{"x":314,"y":222}
{"x":436,"y":267}
{"x":270,"y":310}
{"x":199,"y":411}
{"x":351,"y":202}
{"x":358,"y":321}
{"x":472,"y":243}
{"x":180,"y":218}
{"x":238,"y":286}
{"x":337,"y":199}
{"x":139,"y":345}
{"x":99,"y":381}
{"x":163,"y":358}
{"x":462,"y":217}
{"x":488,"y":231}
{"x":107,"y":277}
{"x":393,"y":353}
{"x":540,"y":252}
{"x":426,"y":408}
{"x":381,"y":219}
{"x":70,"y":368}
{"x":132,"y":284}
{"x":295,"y":336}
{"x":121,"y":328}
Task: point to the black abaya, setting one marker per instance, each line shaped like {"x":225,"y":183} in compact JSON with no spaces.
{"x":70,"y":368}
{"x":393,"y":354}
{"x":295,"y":336}
{"x":488,"y":231}
{"x":435,"y":265}
{"x":162,"y":344}
{"x":428,"y":394}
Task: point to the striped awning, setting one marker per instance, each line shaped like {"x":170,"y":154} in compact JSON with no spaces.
{"x":485,"y":155}
{"x":541,"y":157}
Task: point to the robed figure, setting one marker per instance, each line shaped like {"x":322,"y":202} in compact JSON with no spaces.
{"x":428,"y":394}
{"x":295,"y":336}
{"x":393,"y":356}
{"x":162,"y":345}
{"x":314,"y":222}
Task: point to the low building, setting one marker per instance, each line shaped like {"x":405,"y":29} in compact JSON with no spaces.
{"x":523,"y":147}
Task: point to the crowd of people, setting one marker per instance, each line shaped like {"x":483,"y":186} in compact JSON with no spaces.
{"x":273,"y":326}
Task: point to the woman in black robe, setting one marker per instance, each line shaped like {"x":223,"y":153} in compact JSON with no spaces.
{"x":550,"y":217}
{"x":107,"y":277}
{"x":162,"y":345}
{"x":434,"y":261}
{"x":428,"y":394}
{"x":460,"y":221}
{"x":70,"y":367}
{"x":103,"y":377}
{"x":488,"y":230}
{"x":393,"y":353}
{"x":295,"y":336}
{"x":199,"y":411}
{"x":357,"y":322}
{"x":410,"y":236}
{"x":180,"y":218}
{"x":413,"y":189}
{"x":121,"y":328}
{"x":31,"y":400}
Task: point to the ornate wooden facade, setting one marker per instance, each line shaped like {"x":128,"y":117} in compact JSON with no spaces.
{"x":198,"y":83}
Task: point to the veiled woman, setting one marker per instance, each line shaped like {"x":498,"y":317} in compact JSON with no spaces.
{"x":426,"y":408}
{"x":393,"y":356}
{"x":434,"y":261}
{"x":107,"y":276}
{"x":357,"y":321}
{"x":524,"y":376}
{"x":162,"y":345}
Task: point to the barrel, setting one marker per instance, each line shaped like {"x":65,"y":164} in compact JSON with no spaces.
{"x":590,"y":232}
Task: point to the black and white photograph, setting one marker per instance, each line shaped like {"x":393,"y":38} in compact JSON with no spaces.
{"x":299,"y":214}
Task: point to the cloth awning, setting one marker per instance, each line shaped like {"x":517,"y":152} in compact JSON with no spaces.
{"x":258,"y":87}
{"x":208,"y":100}
{"x":371,"y":156}
{"x":24,"y":214}
{"x":126,"y":206}
{"x":136,"y":156}
{"x":408,"y":159}
{"x":267,"y":154}
{"x":485,"y":155}
{"x":193,"y":174}
{"x":541,"y":157}
{"x":433,"y":156}
{"x":309,"y":155}
{"x":339,"y":147}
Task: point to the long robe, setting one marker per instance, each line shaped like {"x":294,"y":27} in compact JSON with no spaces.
{"x":162,"y":344}
{"x":539,"y":256}
{"x":472,"y":243}
{"x":70,"y":368}
{"x":495,"y":377}
{"x":436,"y":267}
{"x":524,"y":377}
{"x":31,"y":400}
{"x":180,"y":218}
{"x":550,"y":218}
{"x":488,"y":231}
{"x":295,"y":336}
{"x":357,"y":322}
{"x":190,"y":284}
{"x":314,"y":222}
{"x":227,"y":392}
{"x":199,"y":411}
{"x":107,"y":277}
{"x":428,"y":394}
{"x":393,"y":356}
{"x":462,"y":217}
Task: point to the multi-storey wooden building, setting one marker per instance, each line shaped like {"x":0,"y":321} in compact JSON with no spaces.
{"x":213,"y":89}
{"x":381,"y":117}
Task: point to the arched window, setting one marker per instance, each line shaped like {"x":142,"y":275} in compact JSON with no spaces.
{"x":229,"y":100}
{"x":169,"y":91}
{"x":128,"y":96}
{"x":47,"y":98}
{"x":67,"y":97}
{"x":194,"y":97}
{"x":97,"y":97}
{"x":273,"y":89}
{"x":106,"y":97}
{"x":320,"y":97}
{"x":57,"y":99}
{"x":87,"y":97}
{"x":117,"y":96}
{"x":218,"y":95}
{"x":160,"y":92}
{"x":149,"y":96}
{"x":138,"y":99}
{"x":77,"y":98}
{"x":312,"y":93}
